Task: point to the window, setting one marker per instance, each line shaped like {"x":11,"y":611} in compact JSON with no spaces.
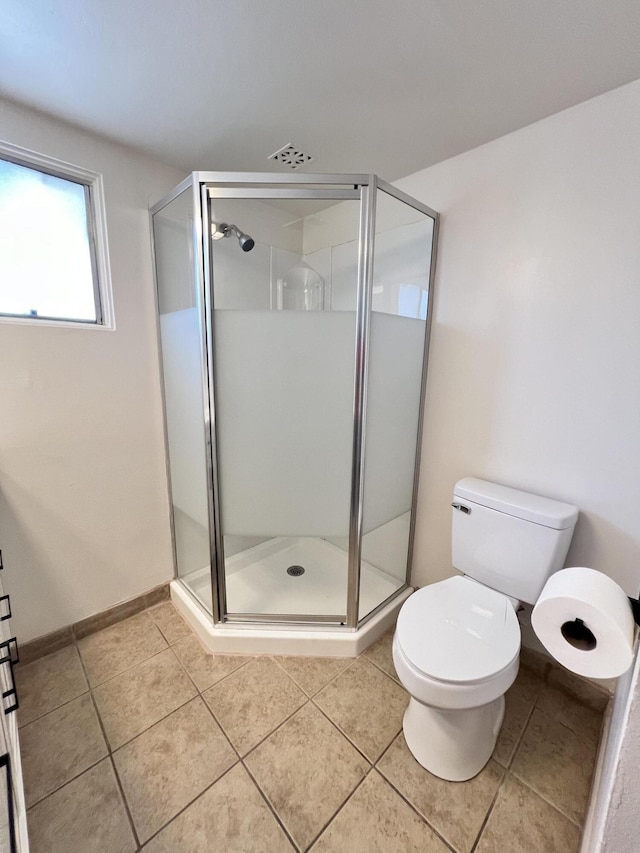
{"x":53,"y":259}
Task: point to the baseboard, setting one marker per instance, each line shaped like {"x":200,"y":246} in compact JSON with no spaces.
{"x":48,"y":643}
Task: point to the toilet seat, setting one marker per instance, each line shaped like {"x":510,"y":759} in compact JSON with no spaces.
{"x":457,"y":643}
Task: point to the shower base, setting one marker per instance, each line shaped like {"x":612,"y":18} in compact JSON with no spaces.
{"x":258,"y":583}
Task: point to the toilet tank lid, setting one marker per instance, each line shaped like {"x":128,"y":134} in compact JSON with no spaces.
{"x":535,"y":508}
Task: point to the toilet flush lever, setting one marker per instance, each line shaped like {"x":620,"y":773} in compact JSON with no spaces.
{"x":462,"y":508}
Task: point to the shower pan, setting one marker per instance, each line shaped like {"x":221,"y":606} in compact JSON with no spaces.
{"x":294,"y":363}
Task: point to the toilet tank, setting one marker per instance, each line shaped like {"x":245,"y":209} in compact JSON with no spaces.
{"x":509,"y":540}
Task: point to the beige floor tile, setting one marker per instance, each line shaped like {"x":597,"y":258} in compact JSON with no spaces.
{"x":131,"y":702}
{"x":170,"y":622}
{"x":86,"y":816}
{"x":307,"y":769}
{"x":252,"y":701}
{"x":553,"y":761}
{"x":48,"y":683}
{"x":581,"y":719}
{"x":231,"y":817}
{"x":522,"y":822}
{"x":59,"y":746}
{"x":516,"y":716}
{"x":366,"y":705}
{"x":455,"y":809}
{"x":377,"y":820}
{"x":526,"y":687}
{"x":204,"y":668}
{"x":116,"y":649}
{"x":586,"y":692}
{"x":311,"y":674}
{"x":380,"y":654}
{"x":536,"y":662}
{"x":520,"y":700}
{"x":170,"y":764}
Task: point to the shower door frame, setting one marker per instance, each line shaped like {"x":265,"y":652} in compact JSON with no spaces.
{"x":338,"y":187}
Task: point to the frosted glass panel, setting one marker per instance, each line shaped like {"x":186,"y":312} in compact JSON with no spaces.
{"x":182,"y":347}
{"x":284,"y":398}
{"x":402,"y":254}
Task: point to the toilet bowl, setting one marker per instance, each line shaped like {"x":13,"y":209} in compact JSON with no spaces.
{"x":456,"y":650}
{"x":457,"y":642}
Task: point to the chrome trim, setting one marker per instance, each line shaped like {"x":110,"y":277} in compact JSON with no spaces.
{"x":196,"y":600}
{"x":272,"y":192}
{"x":165,"y":433}
{"x":363,"y":317}
{"x":395,"y":594}
{"x":285,"y":619}
{"x":277,"y":178}
{"x":407,"y":199}
{"x":170,"y":196}
{"x":423,"y":396}
{"x":216,"y":561}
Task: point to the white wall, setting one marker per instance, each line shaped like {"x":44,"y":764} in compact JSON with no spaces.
{"x":535,"y":349}
{"x":83,"y":503}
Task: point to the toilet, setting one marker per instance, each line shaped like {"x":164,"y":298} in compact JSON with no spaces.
{"x":457,"y":642}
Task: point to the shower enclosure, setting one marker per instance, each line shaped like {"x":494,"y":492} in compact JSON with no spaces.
{"x":294,"y":315}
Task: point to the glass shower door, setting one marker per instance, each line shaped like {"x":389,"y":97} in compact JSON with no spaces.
{"x":182,"y":347}
{"x":398,"y":327}
{"x":283,"y":333}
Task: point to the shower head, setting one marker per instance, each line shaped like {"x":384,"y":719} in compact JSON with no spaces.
{"x":223,"y":229}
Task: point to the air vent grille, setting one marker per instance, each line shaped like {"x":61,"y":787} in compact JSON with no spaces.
{"x":291,"y":157}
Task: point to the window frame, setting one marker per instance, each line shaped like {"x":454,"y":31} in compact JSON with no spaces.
{"x":96,"y":230}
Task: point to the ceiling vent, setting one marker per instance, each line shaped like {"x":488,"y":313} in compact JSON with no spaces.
{"x":291,"y":157}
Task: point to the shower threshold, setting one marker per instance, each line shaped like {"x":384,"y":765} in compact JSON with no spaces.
{"x":258,"y":583}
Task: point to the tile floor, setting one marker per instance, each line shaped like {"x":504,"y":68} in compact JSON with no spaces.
{"x":136,"y":739}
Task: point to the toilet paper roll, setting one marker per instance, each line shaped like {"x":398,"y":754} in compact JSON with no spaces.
{"x":584,"y":620}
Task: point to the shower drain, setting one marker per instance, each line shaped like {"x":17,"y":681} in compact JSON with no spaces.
{"x":295,"y":571}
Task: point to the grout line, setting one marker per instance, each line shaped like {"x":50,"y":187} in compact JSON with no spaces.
{"x":489,"y":811}
{"x":271,"y":808}
{"x":385,"y":751}
{"x":521,"y":737}
{"x":279,"y":726}
{"x":506,"y":770}
{"x":110,"y":757}
{"x":554,"y":806}
{"x":217,"y":722}
{"x":523,"y":781}
{"x":51,"y":710}
{"x":62,"y":704}
{"x":67,"y":782}
{"x":97,"y":712}
{"x":339,"y":809}
{"x":204,"y":690}
{"x":190,"y":803}
{"x":151,"y":725}
{"x":414,"y":808}
{"x":159,"y":627}
{"x":128,"y":668}
{"x":384,"y":671}
{"x":332,"y":679}
{"x":124,"y":800}
{"x":346,"y":736}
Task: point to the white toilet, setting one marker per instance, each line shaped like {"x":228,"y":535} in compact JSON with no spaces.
{"x":457,"y":642}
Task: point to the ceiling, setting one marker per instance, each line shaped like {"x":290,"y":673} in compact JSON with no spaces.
{"x":386,"y":86}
